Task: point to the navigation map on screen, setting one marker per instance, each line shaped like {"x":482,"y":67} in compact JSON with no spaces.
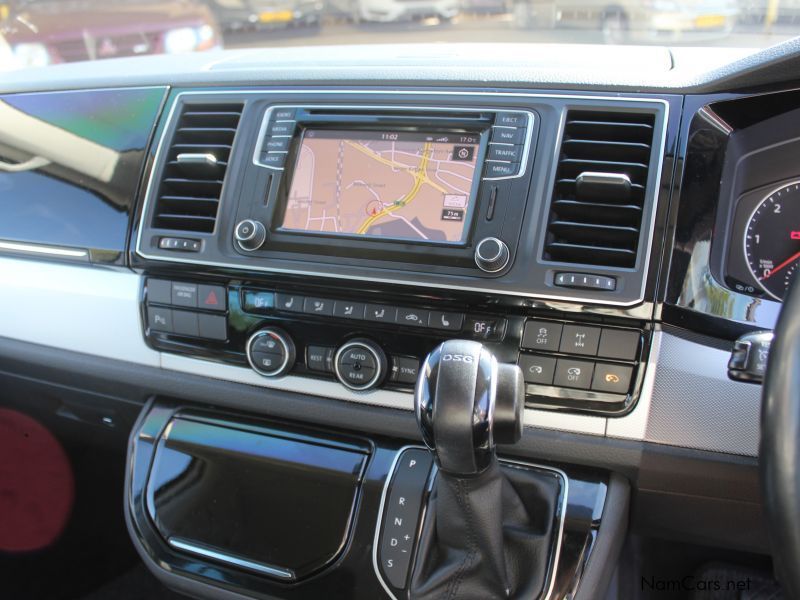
{"x":388,"y":184}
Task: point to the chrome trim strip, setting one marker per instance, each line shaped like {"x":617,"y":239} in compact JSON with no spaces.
{"x":43,"y":249}
{"x":321,"y":273}
{"x":186,"y":546}
{"x":376,"y":539}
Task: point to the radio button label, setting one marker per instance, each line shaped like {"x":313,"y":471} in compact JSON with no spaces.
{"x":283,"y":114}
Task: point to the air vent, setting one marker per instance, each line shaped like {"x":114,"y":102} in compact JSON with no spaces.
{"x":599,"y":196}
{"x":195,"y":164}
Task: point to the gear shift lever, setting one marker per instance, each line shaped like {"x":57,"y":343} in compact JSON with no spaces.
{"x":465,"y":403}
{"x":489,"y":531}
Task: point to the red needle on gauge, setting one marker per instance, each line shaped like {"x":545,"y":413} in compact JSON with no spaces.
{"x":788,"y":261}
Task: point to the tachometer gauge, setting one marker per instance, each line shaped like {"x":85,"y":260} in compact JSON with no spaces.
{"x":772,"y":239}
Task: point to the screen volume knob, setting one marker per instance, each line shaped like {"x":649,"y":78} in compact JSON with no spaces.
{"x":249,"y":235}
{"x":491,"y":255}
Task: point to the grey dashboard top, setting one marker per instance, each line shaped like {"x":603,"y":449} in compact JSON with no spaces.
{"x":585,"y":67}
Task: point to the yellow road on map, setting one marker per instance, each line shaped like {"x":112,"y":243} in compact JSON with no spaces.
{"x":420,"y":178}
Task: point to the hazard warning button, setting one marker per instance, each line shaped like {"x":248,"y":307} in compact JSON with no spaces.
{"x":211,"y":297}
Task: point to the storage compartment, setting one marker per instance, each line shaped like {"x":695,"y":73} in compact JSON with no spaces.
{"x":275,"y":502}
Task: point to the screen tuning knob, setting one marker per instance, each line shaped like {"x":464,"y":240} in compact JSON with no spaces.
{"x":249,"y":235}
{"x":491,"y":255}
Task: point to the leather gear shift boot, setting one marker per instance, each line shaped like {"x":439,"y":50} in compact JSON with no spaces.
{"x":488,"y":535}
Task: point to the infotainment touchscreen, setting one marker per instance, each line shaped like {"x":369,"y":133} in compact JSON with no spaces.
{"x":399,"y":185}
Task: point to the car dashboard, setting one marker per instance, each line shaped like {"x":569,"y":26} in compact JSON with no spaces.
{"x":241,"y":263}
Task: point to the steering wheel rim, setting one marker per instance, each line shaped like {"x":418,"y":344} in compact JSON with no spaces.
{"x":779,"y":455}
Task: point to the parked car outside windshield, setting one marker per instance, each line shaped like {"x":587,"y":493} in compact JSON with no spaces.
{"x":39,"y":33}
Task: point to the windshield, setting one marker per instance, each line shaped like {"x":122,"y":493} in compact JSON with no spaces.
{"x":40,"y":33}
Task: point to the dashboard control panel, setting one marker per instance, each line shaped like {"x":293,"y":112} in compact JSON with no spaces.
{"x":346,"y":235}
{"x":374,"y":342}
{"x":505,"y":194}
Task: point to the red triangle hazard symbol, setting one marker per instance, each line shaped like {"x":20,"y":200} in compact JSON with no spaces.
{"x":211,"y":299}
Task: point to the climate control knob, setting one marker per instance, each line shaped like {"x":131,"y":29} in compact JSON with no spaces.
{"x":249,"y":235}
{"x":360,"y":364}
{"x":491,"y":255}
{"x":271,"y":352}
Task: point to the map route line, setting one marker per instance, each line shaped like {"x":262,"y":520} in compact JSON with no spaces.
{"x":418,"y":181}
{"x":394,"y":164}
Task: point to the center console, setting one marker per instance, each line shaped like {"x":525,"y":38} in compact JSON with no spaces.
{"x":342,"y":235}
{"x":469,"y":255}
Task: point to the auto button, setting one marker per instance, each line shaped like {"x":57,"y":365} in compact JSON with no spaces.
{"x":360,"y":364}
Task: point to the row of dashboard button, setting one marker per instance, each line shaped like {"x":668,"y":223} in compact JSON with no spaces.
{"x":506,"y":145}
{"x":188,"y":323}
{"x":189,"y":295}
{"x":620,"y":344}
{"x":263,"y":302}
{"x":280,"y":130}
{"x":578,"y":374}
{"x":382,"y":313}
